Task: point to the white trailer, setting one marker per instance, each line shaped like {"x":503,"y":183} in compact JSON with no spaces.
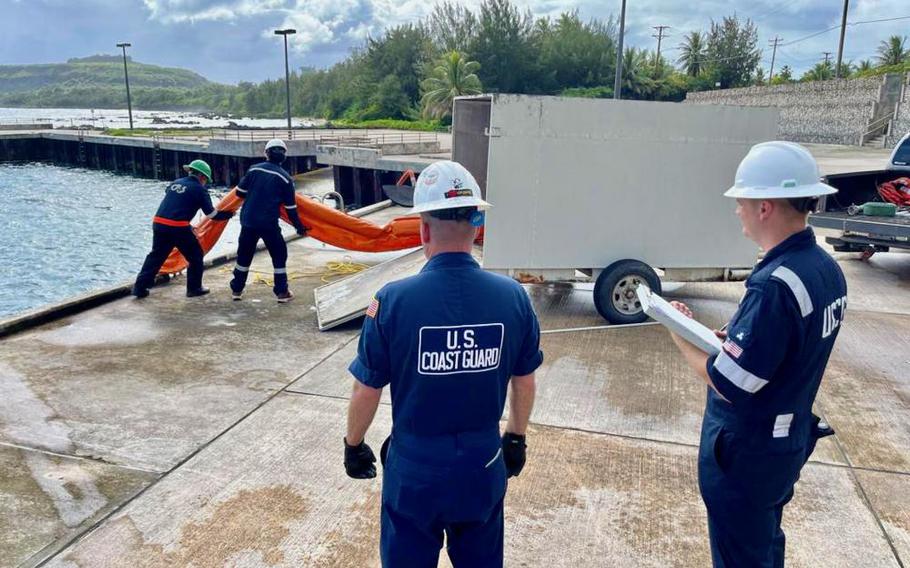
{"x":615,"y":191}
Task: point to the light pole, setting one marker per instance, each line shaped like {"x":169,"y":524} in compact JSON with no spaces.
{"x":617,"y":83}
{"x":126,"y":75}
{"x":287,"y":71}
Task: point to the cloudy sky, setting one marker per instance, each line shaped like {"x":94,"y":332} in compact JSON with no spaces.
{"x":232,"y":40}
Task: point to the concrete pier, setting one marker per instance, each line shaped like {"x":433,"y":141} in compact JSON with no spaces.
{"x":231,"y":152}
{"x":174,"y":432}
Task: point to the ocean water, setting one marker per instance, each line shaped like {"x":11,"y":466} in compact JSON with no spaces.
{"x":66,"y":231}
{"x":119,"y":118}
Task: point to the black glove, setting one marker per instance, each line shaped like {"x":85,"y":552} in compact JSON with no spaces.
{"x":301,"y":231}
{"x":513,"y":453}
{"x":384,"y":451}
{"x":222,"y":216}
{"x":359,"y":460}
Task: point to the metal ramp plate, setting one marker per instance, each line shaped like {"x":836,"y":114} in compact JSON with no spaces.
{"x":348,"y":299}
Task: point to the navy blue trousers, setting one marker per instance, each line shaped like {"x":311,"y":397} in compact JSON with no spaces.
{"x":745,"y":490}
{"x":164,"y":240}
{"x":246,"y":248}
{"x":448,"y":487}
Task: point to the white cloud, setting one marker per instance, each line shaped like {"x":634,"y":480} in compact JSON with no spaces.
{"x":322,"y":23}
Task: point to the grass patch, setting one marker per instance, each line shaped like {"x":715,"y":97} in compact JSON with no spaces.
{"x":420,"y":125}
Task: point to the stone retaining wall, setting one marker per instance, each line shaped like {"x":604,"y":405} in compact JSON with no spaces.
{"x":901,"y":126}
{"x":832,"y":112}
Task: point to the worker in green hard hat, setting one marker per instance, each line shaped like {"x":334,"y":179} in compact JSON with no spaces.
{"x":171,"y":228}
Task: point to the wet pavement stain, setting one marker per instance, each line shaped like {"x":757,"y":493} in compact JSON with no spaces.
{"x":357,"y":542}
{"x":627,"y":503}
{"x":251,"y":524}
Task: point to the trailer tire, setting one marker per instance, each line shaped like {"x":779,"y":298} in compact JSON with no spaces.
{"x":614,"y":291}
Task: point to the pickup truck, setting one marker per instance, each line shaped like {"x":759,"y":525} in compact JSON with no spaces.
{"x":867,"y":234}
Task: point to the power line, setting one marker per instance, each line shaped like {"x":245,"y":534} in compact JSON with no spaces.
{"x":860,"y":23}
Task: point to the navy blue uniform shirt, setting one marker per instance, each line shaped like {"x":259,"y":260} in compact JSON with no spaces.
{"x":182,"y":199}
{"x":265,"y":187}
{"x":778,"y":345}
{"x":448,"y":340}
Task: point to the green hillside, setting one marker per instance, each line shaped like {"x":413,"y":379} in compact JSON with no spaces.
{"x":97,"y":81}
{"x":95,"y":71}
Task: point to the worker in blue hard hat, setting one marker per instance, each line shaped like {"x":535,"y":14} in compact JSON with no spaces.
{"x":759,"y":429}
{"x":171,"y":228}
{"x":448,"y":342}
{"x":266,"y":188}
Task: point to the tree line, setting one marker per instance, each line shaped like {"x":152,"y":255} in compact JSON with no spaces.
{"x":412,"y":71}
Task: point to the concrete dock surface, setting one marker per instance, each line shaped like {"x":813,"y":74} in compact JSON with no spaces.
{"x":204,"y":432}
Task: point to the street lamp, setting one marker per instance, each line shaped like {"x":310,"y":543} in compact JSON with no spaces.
{"x":126,"y":75}
{"x":617,"y":83}
{"x":287,"y":72}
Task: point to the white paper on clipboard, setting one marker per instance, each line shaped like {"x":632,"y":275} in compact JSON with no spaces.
{"x":687,"y":328}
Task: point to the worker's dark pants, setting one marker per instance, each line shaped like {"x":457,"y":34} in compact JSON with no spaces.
{"x":450,"y":486}
{"x":745,"y":486}
{"x":246,"y":248}
{"x":164,"y":239}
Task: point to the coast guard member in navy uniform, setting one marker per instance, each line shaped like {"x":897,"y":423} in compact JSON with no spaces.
{"x":448,"y":342}
{"x":759,"y":430}
{"x":264,"y":189}
{"x":171,"y":228}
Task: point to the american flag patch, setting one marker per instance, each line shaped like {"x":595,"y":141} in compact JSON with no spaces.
{"x":373,"y":309}
{"x":733,"y":349}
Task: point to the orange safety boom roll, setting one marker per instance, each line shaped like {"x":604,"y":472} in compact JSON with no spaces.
{"x":323,"y":223}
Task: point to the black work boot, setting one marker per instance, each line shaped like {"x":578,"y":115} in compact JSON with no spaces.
{"x":197,"y":292}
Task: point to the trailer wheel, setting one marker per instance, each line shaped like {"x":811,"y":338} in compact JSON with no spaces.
{"x":614,"y":291}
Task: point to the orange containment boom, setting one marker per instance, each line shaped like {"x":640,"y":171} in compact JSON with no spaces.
{"x":324,"y":223}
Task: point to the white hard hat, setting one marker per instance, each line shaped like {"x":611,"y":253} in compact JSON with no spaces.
{"x":446,"y":185}
{"x":778,"y":170}
{"x":275,"y":143}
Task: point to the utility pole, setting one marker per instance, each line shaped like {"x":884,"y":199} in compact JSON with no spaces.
{"x":840,"y":46}
{"x":617,"y":83}
{"x":827,"y":57}
{"x":287,"y":72}
{"x":660,"y":36}
{"x":773,"y":44}
{"x":126,"y":76}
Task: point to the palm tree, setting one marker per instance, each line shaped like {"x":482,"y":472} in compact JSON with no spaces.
{"x":864,"y":65}
{"x":821,"y":72}
{"x":635,"y":67}
{"x":453,"y":76}
{"x":892,"y":51}
{"x":693,"y":53}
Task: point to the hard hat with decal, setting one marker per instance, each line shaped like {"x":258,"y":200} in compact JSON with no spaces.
{"x":199,"y":166}
{"x":446,"y":185}
{"x":778,"y":170}
{"x":276,"y":143}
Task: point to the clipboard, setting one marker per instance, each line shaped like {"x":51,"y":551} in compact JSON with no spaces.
{"x":687,"y":328}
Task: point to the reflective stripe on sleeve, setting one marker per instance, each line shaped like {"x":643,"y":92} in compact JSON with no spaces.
{"x":796,"y":286}
{"x":740,"y":377}
{"x":286,"y":180}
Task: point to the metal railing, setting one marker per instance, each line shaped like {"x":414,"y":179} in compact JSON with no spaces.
{"x":878,"y":127}
{"x":330,"y":137}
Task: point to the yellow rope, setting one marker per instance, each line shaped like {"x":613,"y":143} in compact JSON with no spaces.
{"x":334,"y":270}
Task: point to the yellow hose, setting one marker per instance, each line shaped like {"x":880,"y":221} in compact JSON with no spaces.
{"x":334,"y":270}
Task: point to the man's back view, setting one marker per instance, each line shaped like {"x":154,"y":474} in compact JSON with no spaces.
{"x":448,"y":342}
